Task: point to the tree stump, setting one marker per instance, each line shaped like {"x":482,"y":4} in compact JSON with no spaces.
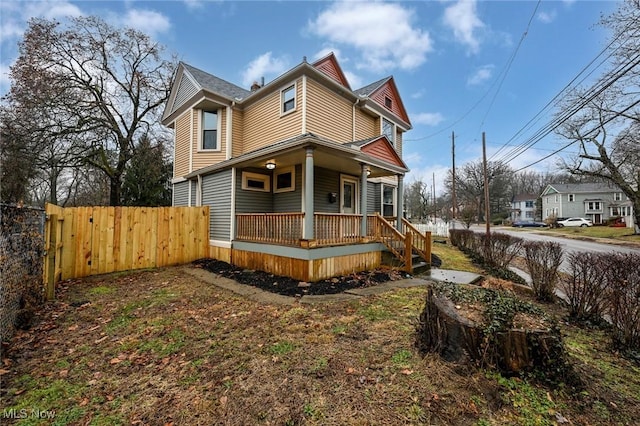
{"x":457,"y":338}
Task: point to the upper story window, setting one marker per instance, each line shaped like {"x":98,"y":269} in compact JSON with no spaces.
{"x":288,"y":97}
{"x":210,"y":130}
{"x":617,"y":196}
{"x":388,"y":129}
{"x":571,"y":198}
{"x":528,"y":204}
{"x":594,"y":205}
{"x":387,"y":102}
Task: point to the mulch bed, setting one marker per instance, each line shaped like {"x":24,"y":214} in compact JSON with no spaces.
{"x":289,"y":287}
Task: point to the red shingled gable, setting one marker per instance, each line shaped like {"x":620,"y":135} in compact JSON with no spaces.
{"x":390,"y":91}
{"x":329,"y":65}
{"x":382,"y":149}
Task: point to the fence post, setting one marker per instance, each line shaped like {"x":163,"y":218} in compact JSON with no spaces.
{"x":52,"y":245}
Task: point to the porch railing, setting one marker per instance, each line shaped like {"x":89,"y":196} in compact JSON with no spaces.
{"x":276,"y":228}
{"x":421,"y":242}
{"x":335,"y":228}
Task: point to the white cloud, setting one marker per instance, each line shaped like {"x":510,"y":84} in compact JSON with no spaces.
{"x":426,"y":174}
{"x":427,"y":118}
{"x":15,"y":15}
{"x":417,"y":95}
{"x":147,"y":21}
{"x":354,"y":80}
{"x":194,"y":4}
{"x":462,"y":18}
{"x":481,"y":75}
{"x":363,"y":26}
{"x":547,"y":17}
{"x":263,"y":65}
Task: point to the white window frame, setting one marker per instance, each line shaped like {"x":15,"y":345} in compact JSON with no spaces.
{"x":218,"y":147}
{"x":617,"y":196}
{"x":294,"y":87}
{"x":571,"y":198}
{"x":393,"y":130}
{"x":393,"y":198}
{"x":246,"y":176}
{"x":283,"y":171}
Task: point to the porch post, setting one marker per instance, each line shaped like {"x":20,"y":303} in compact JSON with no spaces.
{"x":363,"y":199}
{"x":308,"y":233}
{"x":400,"y":202}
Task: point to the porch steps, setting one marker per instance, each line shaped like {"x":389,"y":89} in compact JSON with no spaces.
{"x":418,"y":265}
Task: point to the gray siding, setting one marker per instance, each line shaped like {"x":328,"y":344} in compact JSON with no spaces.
{"x":326,"y":181}
{"x":374,"y":200}
{"x":288,"y":202}
{"x":252,"y":201}
{"x":216,"y":193}
{"x":181,"y":194}
{"x":194,"y":186}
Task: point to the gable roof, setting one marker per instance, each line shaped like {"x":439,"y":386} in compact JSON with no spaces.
{"x":382,"y":90}
{"x":524,"y":197}
{"x":329,"y":65}
{"x":215,"y":84}
{"x":579,"y":188}
{"x":380,"y":147}
{"x":193,"y":84}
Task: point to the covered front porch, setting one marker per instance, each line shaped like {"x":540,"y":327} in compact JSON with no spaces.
{"x":314,"y":202}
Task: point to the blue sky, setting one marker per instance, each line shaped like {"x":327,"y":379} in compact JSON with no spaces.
{"x":453,"y":61}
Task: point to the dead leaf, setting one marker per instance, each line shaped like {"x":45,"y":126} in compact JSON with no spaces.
{"x":406,"y":371}
{"x":73,"y":327}
{"x":115,"y":361}
{"x":100,"y":340}
{"x":223,"y":400}
{"x":3,"y":371}
{"x":63,"y":373}
{"x":84,"y":402}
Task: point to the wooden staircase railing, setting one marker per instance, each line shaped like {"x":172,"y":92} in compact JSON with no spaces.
{"x":421,"y":242}
{"x":399,"y":245}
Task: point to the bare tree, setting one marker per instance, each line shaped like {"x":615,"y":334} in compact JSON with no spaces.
{"x":93,"y":86}
{"x":607,"y":123}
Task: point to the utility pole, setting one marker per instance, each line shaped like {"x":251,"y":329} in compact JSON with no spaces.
{"x":453,"y":174}
{"x":486,"y":185}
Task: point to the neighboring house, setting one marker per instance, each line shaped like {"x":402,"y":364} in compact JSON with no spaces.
{"x":596,"y":201}
{"x":293,"y":170}
{"x":523,"y":208}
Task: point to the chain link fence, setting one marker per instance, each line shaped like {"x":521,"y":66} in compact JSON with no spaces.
{"x":21,"y":260}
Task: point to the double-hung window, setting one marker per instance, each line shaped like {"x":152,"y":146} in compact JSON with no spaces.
{"x":288,"y":96}
{"x":388,"y":193}
{"x":209,"y":130}
{"x":388,"y":130}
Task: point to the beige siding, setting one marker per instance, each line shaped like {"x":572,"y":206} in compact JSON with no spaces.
{"x":237,"y":126}
{"x":399,"y":143}
{"x":206,"y":158}
{"x":264,"y":125}
{"x":328,"y":115}
{"x":181,"y":161}
{"x":366,"y":125}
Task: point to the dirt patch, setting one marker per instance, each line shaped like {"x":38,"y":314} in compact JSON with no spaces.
{"x":289,"y":287}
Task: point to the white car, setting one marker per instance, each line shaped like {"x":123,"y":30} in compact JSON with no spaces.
{"x":575,"y":221}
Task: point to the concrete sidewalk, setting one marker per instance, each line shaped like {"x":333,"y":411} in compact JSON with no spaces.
{"x":258,"y":295}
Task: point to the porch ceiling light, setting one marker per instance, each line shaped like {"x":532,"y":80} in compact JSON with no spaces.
{"x":368,"y":172}
{"x":271,"y":164}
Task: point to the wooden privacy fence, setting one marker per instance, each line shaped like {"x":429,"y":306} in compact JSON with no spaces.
{"x":83,"y":241}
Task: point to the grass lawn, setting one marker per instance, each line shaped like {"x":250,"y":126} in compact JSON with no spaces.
{"x":623,"y":234}
{"x":161,"y":347}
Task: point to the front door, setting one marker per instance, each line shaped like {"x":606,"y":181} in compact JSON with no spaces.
{"x":348,"y":196}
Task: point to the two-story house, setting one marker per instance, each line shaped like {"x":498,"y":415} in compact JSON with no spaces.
{"x":596,"y":201}
{"x":297,"y":172}
{"x":523,"y":208}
